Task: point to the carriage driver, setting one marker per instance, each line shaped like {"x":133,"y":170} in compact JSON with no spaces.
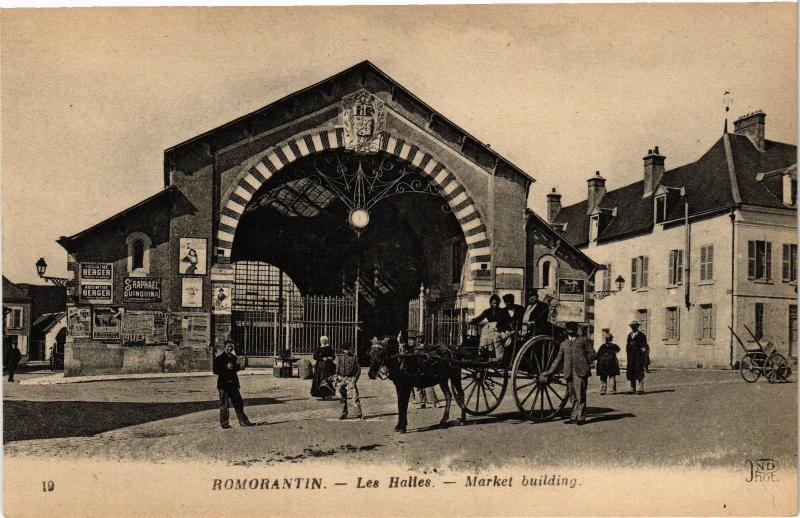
{"x":537,"y":314}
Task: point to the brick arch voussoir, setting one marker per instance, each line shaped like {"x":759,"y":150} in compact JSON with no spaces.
{"x":272,"y":162}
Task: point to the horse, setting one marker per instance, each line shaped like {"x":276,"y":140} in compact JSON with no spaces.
{"x":417,"y":371}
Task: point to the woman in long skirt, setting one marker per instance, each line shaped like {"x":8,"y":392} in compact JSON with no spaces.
{"x":324,"y":368}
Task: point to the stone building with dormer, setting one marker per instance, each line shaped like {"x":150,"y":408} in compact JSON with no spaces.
{"x":702,"y":247}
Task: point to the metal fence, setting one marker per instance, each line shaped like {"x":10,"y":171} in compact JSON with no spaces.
{"x":296,"y":327}
{"x":440,"y":329}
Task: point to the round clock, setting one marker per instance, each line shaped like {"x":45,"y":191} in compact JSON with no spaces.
{"x":359,"y":218}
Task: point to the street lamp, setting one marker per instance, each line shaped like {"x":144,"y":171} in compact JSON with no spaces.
{"x":620,"y":283}
{"x":61,"y":282}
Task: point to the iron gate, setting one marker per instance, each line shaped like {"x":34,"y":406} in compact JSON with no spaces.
{"x":296,"y":327}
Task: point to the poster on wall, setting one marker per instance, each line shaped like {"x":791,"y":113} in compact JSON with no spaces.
{"x":221,"y":298}
{"x":192,"y":256}
{"x":79,"y":322}
{"x":190,"y":330}
{"x":141,"y":289}
{"x":107,"y":323}
{"x":571,"y":302}
{"x":508,"y":278}
{"x":96,"y":282}
{"x":192,"y":292}
{"x":144,"y":327}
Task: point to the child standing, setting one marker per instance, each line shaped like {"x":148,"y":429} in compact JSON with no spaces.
{"x":348,"y":370}
{"x":607,"y":364}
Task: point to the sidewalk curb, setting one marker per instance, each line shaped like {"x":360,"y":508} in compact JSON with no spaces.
{"x":59,"y":379}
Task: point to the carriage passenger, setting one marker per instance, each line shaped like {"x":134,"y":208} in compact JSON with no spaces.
{"x":537,"y":315}
{"x":497,"y":327}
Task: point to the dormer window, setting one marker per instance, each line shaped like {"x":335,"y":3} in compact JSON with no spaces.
{"x":138,"y":254}
{"x":790,"y":189}
{"x":594,"y":227}
{"x":660,"y":209}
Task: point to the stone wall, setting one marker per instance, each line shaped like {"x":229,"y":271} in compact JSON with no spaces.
{"x":89,"y":358}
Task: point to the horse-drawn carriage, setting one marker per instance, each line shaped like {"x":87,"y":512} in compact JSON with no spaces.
{"x":477,"y":379}
{"x":484,"y":381}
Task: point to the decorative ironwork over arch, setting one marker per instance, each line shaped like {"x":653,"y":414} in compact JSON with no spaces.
{"x":277,"y":158}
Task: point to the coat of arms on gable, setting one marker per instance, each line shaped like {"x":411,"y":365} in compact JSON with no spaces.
{"x":363,"y":117}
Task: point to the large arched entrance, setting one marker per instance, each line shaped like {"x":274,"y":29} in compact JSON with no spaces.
{"x":359,"y":235}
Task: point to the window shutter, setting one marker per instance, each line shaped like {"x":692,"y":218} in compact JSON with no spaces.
{"x":679,"y":261}
{"x":710,"y":262}
{"x":633,"y":273}
{"x":698,"y":329}
{"x":644,"y":272}
{"x":703,"y":251}
{"x":786,"y":263}
{"x":713,"y":321}
{"x":768,"y":261}
{"x":751,"y":259}
{"x":671,"y":270}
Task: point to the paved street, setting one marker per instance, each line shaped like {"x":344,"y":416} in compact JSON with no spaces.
{"x":691,"y":418}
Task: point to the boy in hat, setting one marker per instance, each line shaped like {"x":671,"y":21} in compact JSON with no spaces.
{"x":348,"y":370}
{"x":607,"y":364}
{"x":577,"y":354}
{"x":225,"y":366}
{"x":638,"y":352}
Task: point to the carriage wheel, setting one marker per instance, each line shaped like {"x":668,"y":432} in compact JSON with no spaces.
{"x":538,"y":400}
{"x":749,"y":369}
{"x":483,"y":389}
{"x":776,"y":368}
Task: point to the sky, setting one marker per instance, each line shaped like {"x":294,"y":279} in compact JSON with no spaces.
{"x":90,"y":98}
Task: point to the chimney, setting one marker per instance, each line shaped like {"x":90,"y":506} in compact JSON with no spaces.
{"x":752,"y":126}
{"x":653,"y":171}
{"x":553,"y":205}
{"x":597,"y":189}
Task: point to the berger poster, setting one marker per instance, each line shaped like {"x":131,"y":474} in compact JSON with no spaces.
{"x":96,"y":282}
{"x":192,"y":256}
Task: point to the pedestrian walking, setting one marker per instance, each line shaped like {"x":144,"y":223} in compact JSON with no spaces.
{"x":348,"y":371}
{"x":14,"y":357}
{"x":638,"y":353}
{"x":577,"y":355}
{"x":607,"y":364}
{"x":324,"y":368}
{"x":226,"y":366}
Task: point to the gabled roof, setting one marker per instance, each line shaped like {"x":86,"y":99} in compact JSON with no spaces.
{"x":541,"y":223}
{"x":717,"y":181}
{"x":319,"y":92}
{"x":46,"y":322}
{"x":66,"y":241}
{"x":12,"y":293}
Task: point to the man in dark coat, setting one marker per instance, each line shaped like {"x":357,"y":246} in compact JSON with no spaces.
{"x":577,"y":354}
{"x":226,"y":365}
{"x":14,"y":357}
{"x":537,"y":315}
{"x":515,"y":311}
{"x":638,"y":352}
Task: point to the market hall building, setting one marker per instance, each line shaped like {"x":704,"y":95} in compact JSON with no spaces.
{"x":350,"y":209}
